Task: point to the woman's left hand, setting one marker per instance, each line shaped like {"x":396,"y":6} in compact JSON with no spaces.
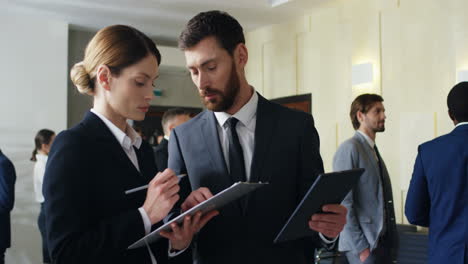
{"x":181,"y":236}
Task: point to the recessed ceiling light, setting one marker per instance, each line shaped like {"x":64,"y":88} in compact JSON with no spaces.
{"x":275,"y":3}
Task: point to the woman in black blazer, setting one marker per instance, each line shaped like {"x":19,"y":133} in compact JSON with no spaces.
{"x":89,"y":217}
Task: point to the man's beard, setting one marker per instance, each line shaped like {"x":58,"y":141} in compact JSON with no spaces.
{"x":226,"y":99}
{"x":380,"y":128}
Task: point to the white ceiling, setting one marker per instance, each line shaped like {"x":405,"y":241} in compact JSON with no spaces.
{"x":162,"y":19}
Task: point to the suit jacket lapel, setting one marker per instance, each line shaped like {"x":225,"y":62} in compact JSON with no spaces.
{"x":212,"y":143}
{"x":369,"y":152}
{"x":104,"y":136}
{"x":266,"y":124}
{"x":144,"y":169}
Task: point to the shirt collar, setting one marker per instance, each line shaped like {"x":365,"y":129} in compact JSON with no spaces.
{"x":245,"y":115}
{"x":126,"y":139}
{"x":368,"y":139}
{"x":461,"y":124}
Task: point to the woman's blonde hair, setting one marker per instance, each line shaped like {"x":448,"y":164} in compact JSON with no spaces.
{"x":118,"y":47}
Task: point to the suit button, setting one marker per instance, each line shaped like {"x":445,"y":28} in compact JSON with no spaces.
{"x":390,"y":201}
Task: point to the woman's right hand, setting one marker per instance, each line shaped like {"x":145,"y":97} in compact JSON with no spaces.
{"x":161,"y":195}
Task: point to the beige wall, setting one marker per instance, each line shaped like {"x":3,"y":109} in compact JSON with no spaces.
{"x":416,"y":47}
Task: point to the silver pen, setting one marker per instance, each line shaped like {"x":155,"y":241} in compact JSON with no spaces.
{"x":146,"y":186}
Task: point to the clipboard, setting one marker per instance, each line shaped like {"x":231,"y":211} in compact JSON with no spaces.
{"x":328,"y":188}
{"x":230,"y":194}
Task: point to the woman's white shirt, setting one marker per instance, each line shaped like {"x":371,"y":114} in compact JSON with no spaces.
{"x":39,"y":170}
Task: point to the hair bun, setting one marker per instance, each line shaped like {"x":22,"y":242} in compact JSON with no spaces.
{"x":81,"y":79}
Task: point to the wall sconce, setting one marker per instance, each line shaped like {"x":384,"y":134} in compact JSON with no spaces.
{"x":362,"y":73}
{"x":462,"y":76}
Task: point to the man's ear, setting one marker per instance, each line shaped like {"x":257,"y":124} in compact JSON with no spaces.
{"x":452,"y":116}
{"x":170,"y":127}
{"x":241,"y":55}
{"x":103,"y":76}
{"x":360,"y":116}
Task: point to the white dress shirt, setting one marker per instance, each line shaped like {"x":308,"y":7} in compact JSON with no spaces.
{"x":245,"y":128}
{"x":38,"y":176}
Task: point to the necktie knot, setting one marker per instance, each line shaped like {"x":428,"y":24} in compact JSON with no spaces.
{"x":232,"y":122}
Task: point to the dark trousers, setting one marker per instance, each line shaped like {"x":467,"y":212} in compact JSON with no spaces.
{"x":42,"y":228}
{"x":2,"y":255}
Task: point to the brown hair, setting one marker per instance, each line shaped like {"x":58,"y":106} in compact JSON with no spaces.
{"x":363,"y":103}
{"x":170,"y":114}
{"x":117,"y":46}
{"x":225,"y":28}
{"x":43,"y":136}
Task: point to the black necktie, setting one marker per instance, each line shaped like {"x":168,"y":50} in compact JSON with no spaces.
{"x":379,"y":159}
{"x":389,"y":212}
{"x":236,"y":156}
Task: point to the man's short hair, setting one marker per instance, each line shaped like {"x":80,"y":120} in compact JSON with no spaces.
{"x":170,"y":114}
{"x":457,"y":102}
{"x":226,"y":30}
{"x":363,"y":103}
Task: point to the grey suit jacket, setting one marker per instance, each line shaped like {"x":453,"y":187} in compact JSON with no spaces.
{"x":286,"y":154}
{"x":365,"y":201}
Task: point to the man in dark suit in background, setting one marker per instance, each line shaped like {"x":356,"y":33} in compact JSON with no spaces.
{"x":235,"y":140}
{"x":438,"y":193}
{"x":171,"y":119}
{"x":7,"y":199}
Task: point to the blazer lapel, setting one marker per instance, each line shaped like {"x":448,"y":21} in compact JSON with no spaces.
{"x":212,"y":143}
{"x":145,"y":169}
{"x":105,"y":137}
{"x":369,"y":152}
{"x":266,"y":124}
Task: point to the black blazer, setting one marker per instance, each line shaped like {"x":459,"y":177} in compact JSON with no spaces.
{"x":286,"y":154}
{"x":89,"y":219}
{"x":161,"y":155}
{"x":7,"y":199}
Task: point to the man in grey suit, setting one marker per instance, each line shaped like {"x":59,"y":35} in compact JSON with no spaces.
{"x":370,"y":235}
{"x":234,"y":140}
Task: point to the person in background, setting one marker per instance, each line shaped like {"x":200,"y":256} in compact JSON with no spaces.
{"x":370,"y":236}
{"x":170,"y":120}
{"x":42,"y":142}
{"x":89,"y":217}
{"x":438,"y":193}
{"x":7,"y":201}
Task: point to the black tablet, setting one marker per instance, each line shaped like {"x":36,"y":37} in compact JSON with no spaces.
{"x":329,"y":188}
{"x":232,"y":193}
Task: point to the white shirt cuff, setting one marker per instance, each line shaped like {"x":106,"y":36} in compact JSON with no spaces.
{"x":146,"y":220}
{"x":173,"y":254}
{"x":327,"y":241}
